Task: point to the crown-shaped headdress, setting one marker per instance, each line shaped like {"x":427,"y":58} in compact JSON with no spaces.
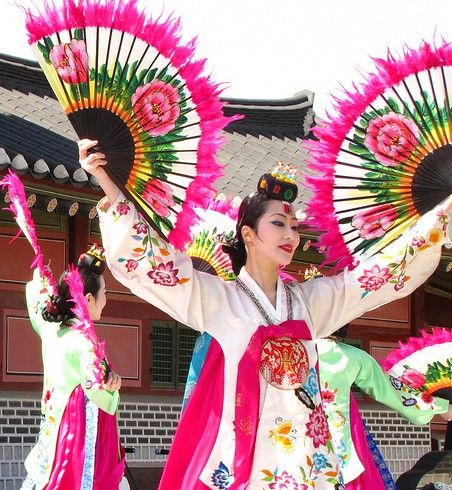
{"x":280,"y":183}
{"x":94,"y":258}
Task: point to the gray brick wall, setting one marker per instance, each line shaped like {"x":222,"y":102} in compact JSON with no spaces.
{"x":401,"y":443}
{"x":147,"y":425}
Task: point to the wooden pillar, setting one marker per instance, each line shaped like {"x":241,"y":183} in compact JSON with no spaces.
{"x":78,"y":237}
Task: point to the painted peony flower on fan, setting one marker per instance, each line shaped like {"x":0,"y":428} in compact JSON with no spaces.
{"x":70,"y":61}
{"x":159,"y":196}
{"x":413,"y":378}
{"x":374,"y":222}
{"x":391,"y":138}
{"x":156,"y":105}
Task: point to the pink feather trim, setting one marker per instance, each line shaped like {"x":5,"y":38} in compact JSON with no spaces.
{"x":222,"y":206}
{"x":414,"y":344}
{"x":85,"y":324}
{"x":164,"y":35}
{"x":324,"y":152}
{"x":23,"y":217}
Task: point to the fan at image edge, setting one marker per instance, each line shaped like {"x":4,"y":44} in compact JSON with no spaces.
{"x":386,"y":158}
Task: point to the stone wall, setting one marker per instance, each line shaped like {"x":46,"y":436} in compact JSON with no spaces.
{"x":147,"y":426}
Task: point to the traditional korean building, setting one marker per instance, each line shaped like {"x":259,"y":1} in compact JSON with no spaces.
{"x":150,"y":350}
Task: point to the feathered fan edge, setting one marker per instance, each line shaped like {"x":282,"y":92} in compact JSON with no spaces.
{"x":164,"y":35}
{"x":325,"y":151}
{"x":18,"y":204}
{"x":85,"y":325}
{"x":414,"y":344}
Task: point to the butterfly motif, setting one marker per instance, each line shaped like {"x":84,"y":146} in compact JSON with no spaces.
{"x":338,"y":419}
{"x":282,"y":436}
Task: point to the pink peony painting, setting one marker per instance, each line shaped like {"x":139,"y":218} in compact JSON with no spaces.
{"x":156,"y":105}
{"x":374,"y":222}
{"x":71,"y":61}
{"x":159,"y":196}
{"x":391,"y":138}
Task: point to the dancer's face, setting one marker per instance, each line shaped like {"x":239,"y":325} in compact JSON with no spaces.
{"x":276,"y":237}
{"x":97,"y":303}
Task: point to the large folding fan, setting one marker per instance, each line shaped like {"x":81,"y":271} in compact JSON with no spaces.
{"x":385,"y":159}
{"x":424,"y":363}
{"x":216,"y":225}
{"x":127,"y":81}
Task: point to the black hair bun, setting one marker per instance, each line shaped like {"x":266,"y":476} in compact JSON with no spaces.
{"x":57,"y":309}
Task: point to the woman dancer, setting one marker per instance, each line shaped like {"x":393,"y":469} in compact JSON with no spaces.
{"x":341,"y":366}
{"x":78,"y":445}
{"x":244,"y":426}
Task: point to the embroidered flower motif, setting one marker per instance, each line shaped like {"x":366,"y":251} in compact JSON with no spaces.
{"x":164,"y":274}
{"x":373,"y":223}
{"x":221,"y":477}
{"x":140,"y":227}
{"x":412,"y":378}
{"x":374,"y":278}
{"x":434,"y":237}
{"x":320,"y":461}
{"x":392,"y":138}
{"x":418,"y":241}
{"x":123,"y":208}
{"x":246,"y":426}
{"x":71,"y":61}
{"x":341,"y":452}
{"x":156,"y":105}
{"x":317,"y":427}
{"x":427,"y":398}
{"x":159,"y":196}
{"x":328,"y":396}
{"x":46,"y":396}
{"x":311,"y":385}
{"x":400,"y":283}
{"x":131,"y":265}
{"x":284,"y":481}
{"x":238,"y":400}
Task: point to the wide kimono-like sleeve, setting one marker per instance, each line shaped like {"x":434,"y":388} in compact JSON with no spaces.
{"x":409,"y":403}
{"x":144,"y":263}
{"x":396,"y":272}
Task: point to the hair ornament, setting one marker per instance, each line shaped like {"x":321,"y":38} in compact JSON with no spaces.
{"x":94,"y":258}
{"x":280,"y":183}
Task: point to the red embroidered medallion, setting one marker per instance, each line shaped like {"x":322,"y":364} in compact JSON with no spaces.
{"x":284,"y":363}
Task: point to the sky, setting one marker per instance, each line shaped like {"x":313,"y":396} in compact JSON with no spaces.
{"x":272,"y":49}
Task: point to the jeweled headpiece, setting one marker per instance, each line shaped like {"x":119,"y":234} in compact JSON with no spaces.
{"x":94,"y":258}
{"x":280,"y":183}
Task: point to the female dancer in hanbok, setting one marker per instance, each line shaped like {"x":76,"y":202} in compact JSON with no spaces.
{"x":343,"y":365}
{"x":78,"y":445}
{"x":244,"y":426}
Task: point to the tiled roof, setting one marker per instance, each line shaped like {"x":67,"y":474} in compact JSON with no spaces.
{"x":36,"y":136}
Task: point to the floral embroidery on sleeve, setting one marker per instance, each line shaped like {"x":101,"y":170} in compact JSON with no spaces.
{"x":419,"y":388}
{"x":394,"y":270}
{"x":150,"y":249}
